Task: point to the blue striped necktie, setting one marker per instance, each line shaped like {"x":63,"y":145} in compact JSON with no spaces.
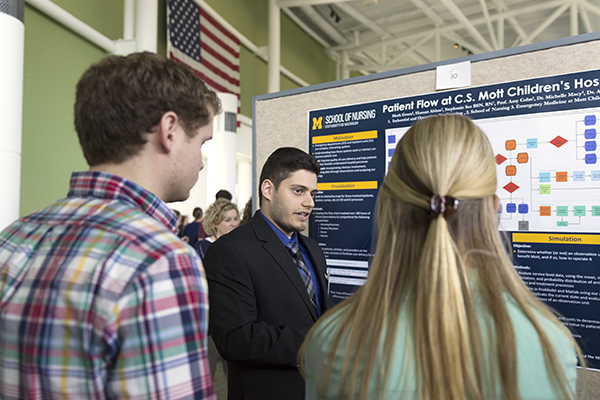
{"x":294,"y":250}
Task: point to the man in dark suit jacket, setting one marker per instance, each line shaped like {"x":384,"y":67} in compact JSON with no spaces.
{"x":261,"y":304}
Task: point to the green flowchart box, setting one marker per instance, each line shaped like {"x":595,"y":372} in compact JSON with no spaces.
{"x":562,"y":211}
{"x":562,"y":223}
{"x":579,"y":211}
{"x":595,"y":211}
{"x":544,"y":189}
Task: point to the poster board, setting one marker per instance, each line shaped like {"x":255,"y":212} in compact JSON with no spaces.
{"x":282,"y":119}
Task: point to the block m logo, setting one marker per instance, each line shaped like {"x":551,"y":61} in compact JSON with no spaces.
{"x":317,"y":123}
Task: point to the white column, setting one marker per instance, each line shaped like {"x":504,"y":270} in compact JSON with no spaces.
{"x":345,"y":65}
{"x":11,"y":111}
{"x":146,"y":25}
{"x":129,"y":20}
{"x":222,"y":169}
{"x":274,"y":46}
{"x":245,"y":187}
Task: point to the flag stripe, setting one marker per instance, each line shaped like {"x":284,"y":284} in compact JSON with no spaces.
{"x":212,"y":66}
{"x":219,"y":73}
{"x":218,"y":26}
{"x":197,"y":40}
{"x":208,"y":79}
{"x":217,"y":60}
{"x":212,"y":48}
{"x":217,"y":33}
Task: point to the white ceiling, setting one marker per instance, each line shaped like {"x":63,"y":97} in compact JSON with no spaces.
{"x":379,"y":35}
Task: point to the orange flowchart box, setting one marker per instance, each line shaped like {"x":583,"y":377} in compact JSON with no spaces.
{"x":562,"y":176}
{"x":545,"y":211}
{"x":522,"y":158}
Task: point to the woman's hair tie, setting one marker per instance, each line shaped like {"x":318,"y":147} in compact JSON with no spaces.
{"x":445,"y":205}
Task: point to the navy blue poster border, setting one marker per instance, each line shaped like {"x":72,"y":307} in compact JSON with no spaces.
{"x":350,"y":143}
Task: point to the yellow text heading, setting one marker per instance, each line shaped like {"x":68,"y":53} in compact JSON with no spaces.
{"x":556,"y":238}
{"x":343,"y":137}
{"x":347,"y":185}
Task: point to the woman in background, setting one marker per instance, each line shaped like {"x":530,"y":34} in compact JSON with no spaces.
{"x":443,"y":314}
{"x":221,"y":217}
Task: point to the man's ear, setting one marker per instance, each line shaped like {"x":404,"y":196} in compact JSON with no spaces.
{"x":166,"y":130}
{"x":267,"y":188}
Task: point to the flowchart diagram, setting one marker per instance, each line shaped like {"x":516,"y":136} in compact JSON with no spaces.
{"x":547,"y":168}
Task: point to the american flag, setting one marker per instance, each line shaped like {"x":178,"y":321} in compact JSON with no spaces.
{"x":197,"y":40}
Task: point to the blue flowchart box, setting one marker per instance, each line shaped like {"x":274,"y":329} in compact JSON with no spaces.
{"x":544,"y":177}
{"x":590,"y":120}
{"x":590,"y":146}
{"x":532,"y":143}
{"x":590,"y":134}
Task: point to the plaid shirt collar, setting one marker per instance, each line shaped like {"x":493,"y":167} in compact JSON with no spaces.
{"x":112,"y":187}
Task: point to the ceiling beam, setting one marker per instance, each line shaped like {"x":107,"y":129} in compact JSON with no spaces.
{"x":500,"y":26}
{"x":521,"y":34}
{"x":488,"y":21}
{"x":438,"y":22}
{"x":360,"y":17}
{"x":449,"y":28}
{"x":374,"y":68}
{"x":453,"y":8}
{"x":453,"y":37}
{"x":586,"y":20}
{"x":322,"y":23}
{"x":298,"y":3}
{"x":351,"y":11}
{"x":432,"y":15}
{"x":425,"y":39}
{"x":305,"y":28}
{"x":559,"y":11}
{"x":574,"y":19}
{"x":590,"y":7}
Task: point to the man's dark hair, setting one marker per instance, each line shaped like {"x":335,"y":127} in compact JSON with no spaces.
{"x":197,"y":213}
{"x":223,"y":194}
{"x":282,"y":163}
{"x":121,"y":99}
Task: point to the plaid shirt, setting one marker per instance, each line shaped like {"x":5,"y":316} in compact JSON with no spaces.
{"x":100,"y":299}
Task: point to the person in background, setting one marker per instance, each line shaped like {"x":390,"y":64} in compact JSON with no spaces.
{"x":178,"y":215}
{"x":183,"y":222}
{"x":267,"y":283}
{"x":99,"y":297}
{"x":194,"y":230}
{"x":443,"y":314}
{"x":221,"y":218}
{"x":247,"y":212}
{"x":223,"y":194}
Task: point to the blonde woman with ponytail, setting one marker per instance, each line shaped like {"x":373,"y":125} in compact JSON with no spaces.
{"x":443,"y":314}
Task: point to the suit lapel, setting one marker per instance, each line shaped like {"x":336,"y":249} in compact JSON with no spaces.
{"x":272,"y":244}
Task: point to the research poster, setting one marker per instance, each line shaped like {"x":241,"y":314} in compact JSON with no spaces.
{"x":544,"y":133}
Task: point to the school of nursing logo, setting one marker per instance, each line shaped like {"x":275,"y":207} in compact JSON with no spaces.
{"x":317,"y":123}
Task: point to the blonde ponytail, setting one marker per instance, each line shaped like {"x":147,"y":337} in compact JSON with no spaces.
{"x":437,"y":266}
